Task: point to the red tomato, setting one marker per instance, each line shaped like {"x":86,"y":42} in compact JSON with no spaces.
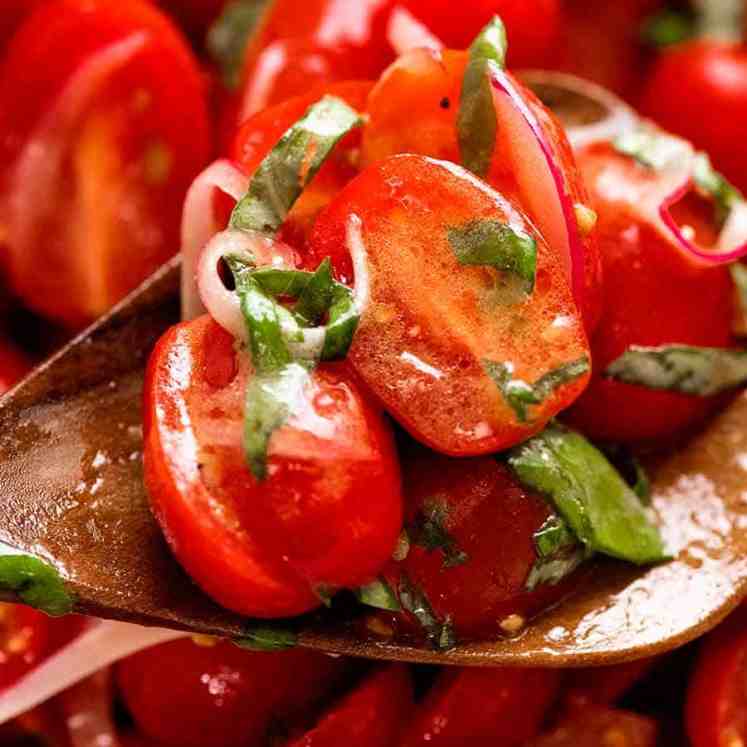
{"x":261,"y":132}
{"x":94,"y":97}
{"x":24,"y":641}
{"x":13,"y":13}
{"x":373,"y":715}
{"x":592,"y":726}
{"x":195,"y":15}
{"x":699,"y":90}
{"x":13,"y":366}
{"x":605,"y":685}
{"x":262,"y":548}
{"x":432,"y":325}
{"x":484,"y":522}
{"x":482,"y":707}
{"x":649,"y":287}
{"x":716,"y":704}
{"x":186,"y":695}
{"x":533,"y":26}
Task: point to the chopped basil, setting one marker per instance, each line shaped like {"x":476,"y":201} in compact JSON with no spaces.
{"x":491,"y":243}
{"x":343,"y":321}
{"x":559,"y":553}
{"x":440,"y":633}
{"x":668,"y":27}
{"x":652,"y":148}
{"x":266,"y":639}
{"x":587,"y":492}
{"x":739,"y":276}
{"x":429,"y":531}
{"x":316,"y":296}
{"x":35,"y":582}
{"x":686,"y":369}
{"x":630,"y":469}
{"x":476,"y":121}
{"x":378,"y":594}
{"x":292,"y":164}
{"x":325,"y":593}
{"x":229,"y":35}
{"x":724,"y":194}
{"x":520,"y":395}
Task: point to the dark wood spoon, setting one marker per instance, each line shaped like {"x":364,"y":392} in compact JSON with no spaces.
{"x":71,"y":494}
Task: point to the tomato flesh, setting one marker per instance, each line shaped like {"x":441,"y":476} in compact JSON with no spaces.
{"x":431,"y":323}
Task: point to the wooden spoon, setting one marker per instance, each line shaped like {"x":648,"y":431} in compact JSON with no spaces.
{"x":71,"y":494}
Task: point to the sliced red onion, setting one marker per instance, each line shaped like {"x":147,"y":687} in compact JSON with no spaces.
{"x":199,"y":224}
{"x":404,"y":32}
{"x":539,"y":176}
{"x":101,"y":643}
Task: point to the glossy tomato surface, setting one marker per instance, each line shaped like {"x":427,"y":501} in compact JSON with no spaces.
{"x":329,"y":512}
{"x":14,"y":365}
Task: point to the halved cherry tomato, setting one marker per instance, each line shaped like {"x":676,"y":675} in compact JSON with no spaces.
{"x":13,"y":365}
{"x":593,"y":726}
{"x":471,"y":528}
{"x":699,"y":90}
{"x":13,"y":13}
{"x":103,"y":125}
{"x":372,"y":715}
{"x":483,"y":707}
{"x":716,"y":705}
{"x":24,"y":641}
{"x":641,"y":265}
{"x":186,"y":695}
{"x":433,"y":327}
{"x":329,"y":512}
{"x":605,"y":685}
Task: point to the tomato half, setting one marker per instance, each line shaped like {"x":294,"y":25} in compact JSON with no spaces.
{"x":186,"y":695}
{"x":433,"y":327}
{"x":482,"y":707}
{"x":14,"y":11}
{"x":94,"y":97}
{"x":24,"y":641}
{"x":13,"y":365}
{"x":329,"y":513}
{"x":649,"y":287}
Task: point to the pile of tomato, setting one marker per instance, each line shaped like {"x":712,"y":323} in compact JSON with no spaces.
{"x":378,"y":473}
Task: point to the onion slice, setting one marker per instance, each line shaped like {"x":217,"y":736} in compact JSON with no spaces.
{"x":404,"y":32}
{"x":540,"y":176}
{"x":101,"y":643}
{"x":199,"y":224}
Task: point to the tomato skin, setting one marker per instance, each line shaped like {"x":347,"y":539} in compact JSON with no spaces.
{"x":372,"y":715}
{"x":715,"y":702}
{"x":124,"y":128}
{"x":220,"y":695}
{"x":489,"y":518}
{"x":605,"y":685}
{"x":13,"y":366}
{"x":482,"y":707}
{"x":642,"y":265}
{"x":14,"y":11}
{"x":699,"y":90}
{"x":25,"y":639}
{"x":405,"y":206}
{"x":330,"y":511}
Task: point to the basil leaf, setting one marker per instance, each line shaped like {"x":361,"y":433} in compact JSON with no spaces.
{"x":630,"y":469}
{"x":559,"y":553}
{"x":520,"y":395}
{"x":587,"y":492}
{"x":724,"y":194}
{"x":701,"y":372}
{"x":476,"y":121}
{"x":277,"y":282}
{"x":440,"y":633}
{"x":228,"y":37}
{"x":266,"y":639}
{"x":316,"y":296}
{"x":343,"y":321}
{"x":491,"y":243}
{"x":429,"y":531}
{"x":739,"y":277}
{"x":291,"y":165}
{"x":668,"y":27}
{"x":271,"y":398}
{"x":378,"y":594}
{"x":36,"y":583}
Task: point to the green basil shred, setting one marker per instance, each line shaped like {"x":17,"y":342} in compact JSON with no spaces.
{"x":34,"y":582}
{"x":520,"y":395}
{"x":476,"y":121}
{"x":739,"y":277}
{"x":266,"y":639}
{"x":378,"y":594}
{"x":687,"y":369}
{"x":588,"y":494}
{"x":429,"y":531}
{"x":440,"y":633}
{"x":491,"y":243}
{"x":558,"y":552}
{"x":725,"y":195}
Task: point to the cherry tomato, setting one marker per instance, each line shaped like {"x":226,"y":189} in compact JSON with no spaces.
{"x":592,"y":726}
{"x":373,"y":715}
{"x":263,"y":548}
{"x":428,"y":355}
{"x":699,"y":90}
{"x":94,"y":97}
{"x":471,"y":528}
{"x":14,"y":11}
{"x":605,"y":685}
{"x":482,"y":707}
{"x":715,"y":708}
{"x":533,"y":26}
{"x":649,"y":287}
{"x":13,"y":366}
{"x":186,"y":695}
{"x":24,"y":641}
